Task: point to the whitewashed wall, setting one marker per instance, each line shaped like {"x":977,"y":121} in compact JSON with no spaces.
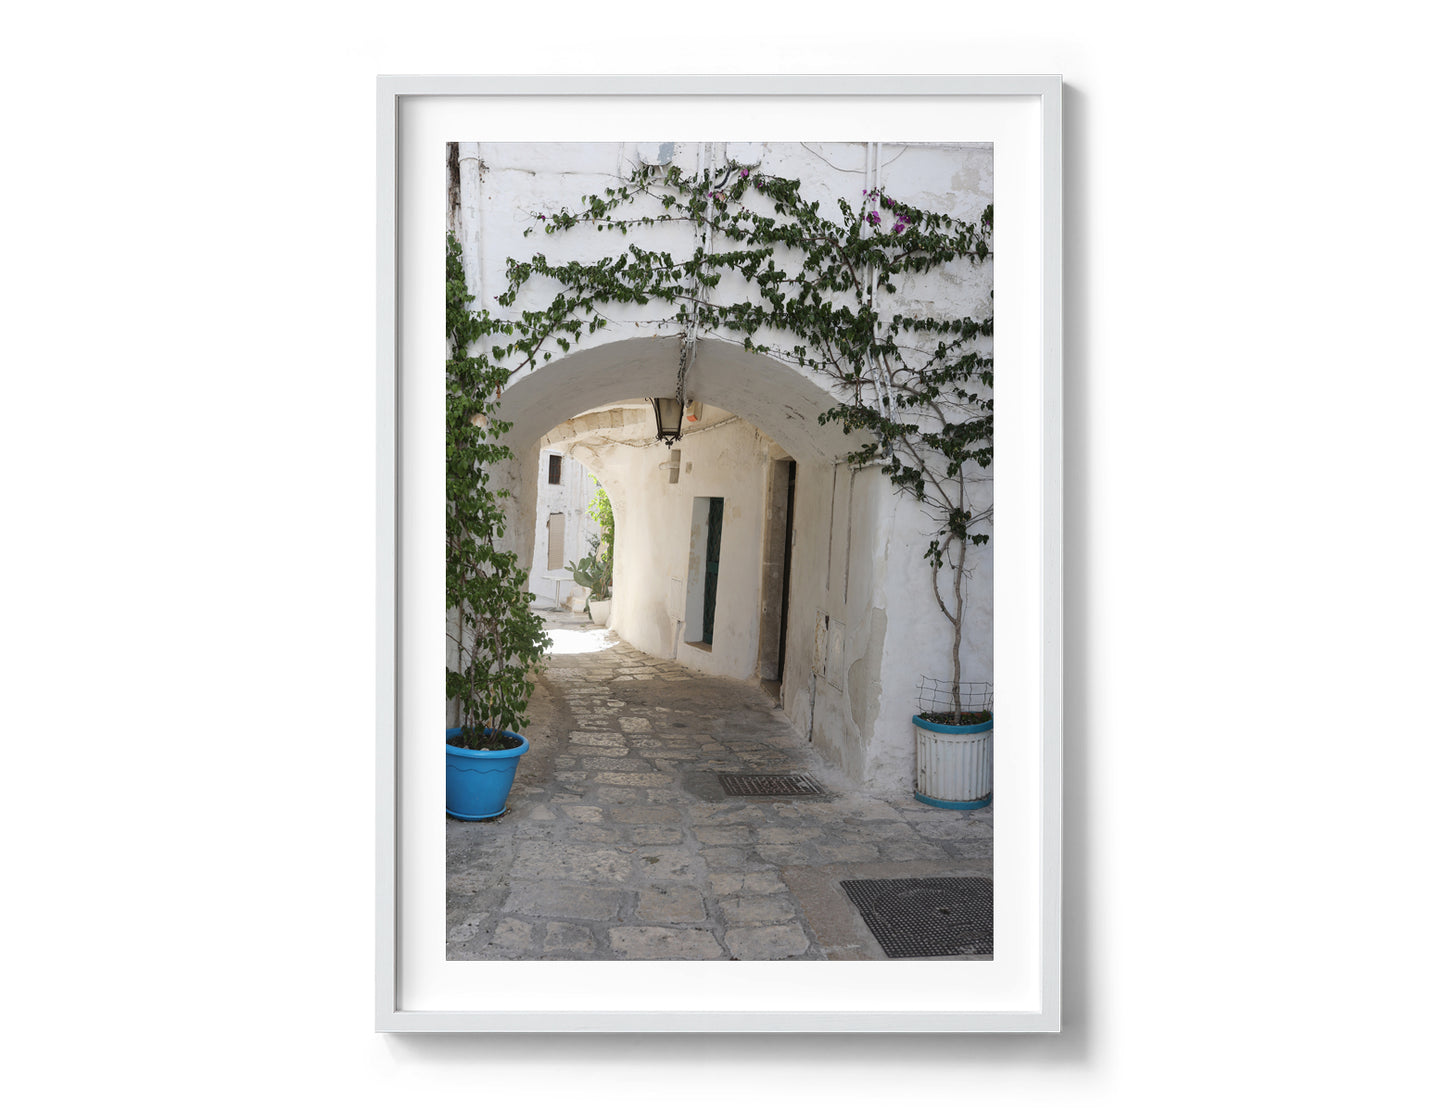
{"x":654,"y":541}
{"x":855,"y":560}
{"x":570,"y":498}
{"x":858,"y":557}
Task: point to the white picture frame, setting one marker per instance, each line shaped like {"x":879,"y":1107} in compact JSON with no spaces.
{"x":1022,"y":115}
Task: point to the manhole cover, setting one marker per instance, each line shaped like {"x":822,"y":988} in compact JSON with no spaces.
{"x":927,"y":917}
{"x":788,"y":783}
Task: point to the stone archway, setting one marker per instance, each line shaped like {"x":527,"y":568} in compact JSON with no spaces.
{"x":776,"y":397}
{"x":770,"y":411}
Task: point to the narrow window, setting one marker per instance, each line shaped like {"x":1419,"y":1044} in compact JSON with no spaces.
{"x":554,"y":470}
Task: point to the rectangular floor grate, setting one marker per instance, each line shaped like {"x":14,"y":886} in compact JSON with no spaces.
{"x":927,"y":917}
{"x":782,"y":783}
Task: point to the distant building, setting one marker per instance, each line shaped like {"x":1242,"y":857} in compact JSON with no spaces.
{"x":564,"y":532}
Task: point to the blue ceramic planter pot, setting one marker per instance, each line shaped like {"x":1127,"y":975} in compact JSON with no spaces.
{"x":478,"y":780}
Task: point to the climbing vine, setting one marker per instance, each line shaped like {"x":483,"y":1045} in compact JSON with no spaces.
{"x":806,"y":286}
{"x":499,"y":641}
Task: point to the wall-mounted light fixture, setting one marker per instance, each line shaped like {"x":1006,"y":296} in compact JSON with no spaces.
{"x":673,"y":464}
{"x":668,"y":413}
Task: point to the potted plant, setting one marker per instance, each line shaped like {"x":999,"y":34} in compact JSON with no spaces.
{"x":953,"y":744}
{"x":594,"y":574}
{"x":600,"y":511}
{"x":496,"y":641}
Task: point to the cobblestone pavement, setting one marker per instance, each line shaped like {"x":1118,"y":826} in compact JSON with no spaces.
{"x":620,"y":844}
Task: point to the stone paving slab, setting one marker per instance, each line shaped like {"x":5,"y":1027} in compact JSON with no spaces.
{"x":619,"y":843}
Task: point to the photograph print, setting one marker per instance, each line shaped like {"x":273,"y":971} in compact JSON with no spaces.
{"x":719,"y":544}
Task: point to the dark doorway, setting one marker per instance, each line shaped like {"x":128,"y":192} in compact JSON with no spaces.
{"x":787,"y":573}
{"x":713,"y":558}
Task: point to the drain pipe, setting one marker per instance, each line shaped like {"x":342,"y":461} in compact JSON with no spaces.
{"x":812,"y":702}
{"x":469,"y":167}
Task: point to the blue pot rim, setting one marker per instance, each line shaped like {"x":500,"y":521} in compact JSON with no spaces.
{"x":955,"y":804}
{"x":487,"y":754}
{"x":939,"y":728}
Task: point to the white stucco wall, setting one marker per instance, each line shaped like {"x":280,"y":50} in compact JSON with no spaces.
{"x":520,"y":180}
{"x":658,"y":539}
{"x":857,"y":557}
{"x":857,"y":550}
{"x":726,"y":459}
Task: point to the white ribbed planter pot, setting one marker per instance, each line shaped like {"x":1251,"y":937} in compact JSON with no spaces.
{"x":601,"y":610}
{"x":954,"y":764}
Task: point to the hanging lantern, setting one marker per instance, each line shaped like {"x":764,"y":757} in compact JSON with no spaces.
{"x":668,"y":413}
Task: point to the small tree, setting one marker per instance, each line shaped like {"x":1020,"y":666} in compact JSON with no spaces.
{"x":594,"y":571}
{"x":499,"y":641}
{"x":600,"y":511}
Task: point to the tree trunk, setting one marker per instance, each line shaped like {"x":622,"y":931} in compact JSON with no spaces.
{"x":957,"y":635}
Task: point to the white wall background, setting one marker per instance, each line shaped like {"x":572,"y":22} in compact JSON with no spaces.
{"x":570,"y":498}
{"x":1254,"y":393}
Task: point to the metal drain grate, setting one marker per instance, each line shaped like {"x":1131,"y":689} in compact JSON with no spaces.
{"x":927,"y":917}
{"x":783,"y":783}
